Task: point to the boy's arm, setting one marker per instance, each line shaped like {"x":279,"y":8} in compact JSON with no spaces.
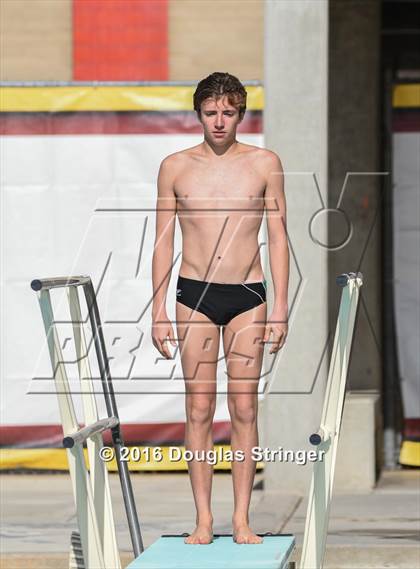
{"x":164,"y":239}
{"x":275,"y":205}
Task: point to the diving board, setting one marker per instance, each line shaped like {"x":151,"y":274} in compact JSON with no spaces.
{"x":170,"y":552}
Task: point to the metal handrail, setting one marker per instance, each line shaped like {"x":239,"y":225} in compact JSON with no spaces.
{"x":56,"y":282}
{"x":81,"y":435}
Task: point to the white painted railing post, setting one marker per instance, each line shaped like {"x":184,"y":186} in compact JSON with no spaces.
{"x":90,"y":489}
{"x":326,"y":439}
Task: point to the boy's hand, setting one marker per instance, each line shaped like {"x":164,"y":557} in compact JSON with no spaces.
{"x":276,"y":325}
{"x":162,"y":331}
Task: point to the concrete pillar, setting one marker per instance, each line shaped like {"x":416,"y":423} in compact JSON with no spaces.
{"x":296,"y":127}
{"x":354,"y":155}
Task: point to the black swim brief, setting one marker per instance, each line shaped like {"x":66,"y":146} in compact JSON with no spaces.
{"x":218,"y":301}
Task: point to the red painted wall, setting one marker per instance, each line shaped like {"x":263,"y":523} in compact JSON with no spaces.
{"x":120,"y":40}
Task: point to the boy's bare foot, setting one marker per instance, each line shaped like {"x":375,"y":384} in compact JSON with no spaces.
{"x":242,"y":533}
{"x":203,"y":533}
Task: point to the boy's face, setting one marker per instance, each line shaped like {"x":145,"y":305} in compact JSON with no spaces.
{"x":219,"y":119}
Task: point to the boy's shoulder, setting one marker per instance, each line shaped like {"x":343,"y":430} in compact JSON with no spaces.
{"x":264,"y":160}
{"x":268,"y":155}
{"x":180,"y":155}
{"x":260,"y":153}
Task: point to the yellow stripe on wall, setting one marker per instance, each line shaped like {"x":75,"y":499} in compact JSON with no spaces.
{"x":103,"y":98}
{"x":56,"y":459}
{"x":406,"y":95}
{"x":410,"y":453}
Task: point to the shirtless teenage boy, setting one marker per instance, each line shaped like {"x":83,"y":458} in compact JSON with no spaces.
{"x":219,"y":189}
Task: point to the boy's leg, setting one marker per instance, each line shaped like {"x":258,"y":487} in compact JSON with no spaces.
{"x":199,"y":348}
{"x":244,"y":354}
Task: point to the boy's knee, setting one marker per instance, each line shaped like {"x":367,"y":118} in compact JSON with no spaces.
{"x":243,"y":413}
{"x":201,"y":412}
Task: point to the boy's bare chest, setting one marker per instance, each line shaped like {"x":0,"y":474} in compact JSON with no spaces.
{"x":222,"y":182}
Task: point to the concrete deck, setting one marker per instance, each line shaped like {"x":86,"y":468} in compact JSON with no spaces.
{"x":380,"y":529}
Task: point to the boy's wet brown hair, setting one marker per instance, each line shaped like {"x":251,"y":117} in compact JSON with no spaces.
{"x":215,"y":86}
